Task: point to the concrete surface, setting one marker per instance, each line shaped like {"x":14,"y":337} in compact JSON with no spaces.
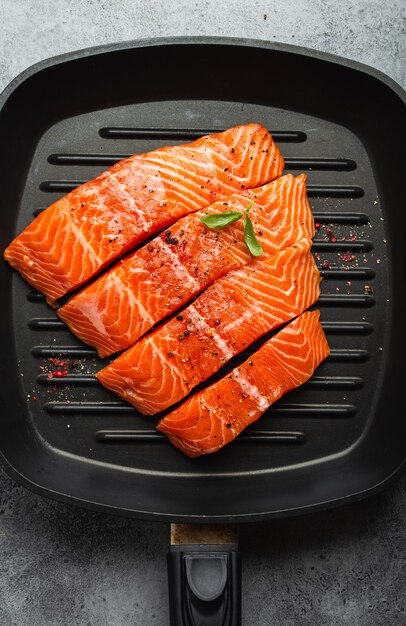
{"x":63,"y":566}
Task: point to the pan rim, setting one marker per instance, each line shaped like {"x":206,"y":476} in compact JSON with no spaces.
{"x":54,"y":495}
{"x":191,"y":40}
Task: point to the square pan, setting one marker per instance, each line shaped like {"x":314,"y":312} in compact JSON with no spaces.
{"x":337,"y":438}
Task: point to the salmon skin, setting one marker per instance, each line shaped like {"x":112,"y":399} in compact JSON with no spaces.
{"x":164,"y":366}
{"x":215,"y":416}
{"x":153,"y":282}
{"x":77,"y":236}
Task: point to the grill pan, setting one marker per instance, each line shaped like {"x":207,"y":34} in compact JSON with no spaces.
{"x":339,"y":437}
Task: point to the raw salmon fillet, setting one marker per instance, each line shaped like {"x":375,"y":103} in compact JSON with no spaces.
{"x":164,"y":366}
{"x":153,"y":282}
{"x":215,"y":416}
{"x":81,"y":233}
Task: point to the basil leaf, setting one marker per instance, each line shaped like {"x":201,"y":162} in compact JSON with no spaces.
{"x":250,"y":239}
{"x":248,"y":207}
{"x":219,"y":220}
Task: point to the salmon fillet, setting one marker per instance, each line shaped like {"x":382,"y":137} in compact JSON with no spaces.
{"x":215,"y":416}
{"x":164,"y":366}
{"x":77,"y":236}
{"x":153,"y":282}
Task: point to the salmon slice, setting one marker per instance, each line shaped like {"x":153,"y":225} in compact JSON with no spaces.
{"x":164,"y":366}
{"x":215,"y":416}
{"x":153,"y":282}
{"x":81,"y":233}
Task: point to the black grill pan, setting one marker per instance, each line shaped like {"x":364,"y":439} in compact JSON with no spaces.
{"x":339,"y":437}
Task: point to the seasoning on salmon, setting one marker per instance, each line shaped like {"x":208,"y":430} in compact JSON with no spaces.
{"x":164,"y":366}
{"x":77,"y":236}
{"x":215,"y":416}
{"x":156,"y":280}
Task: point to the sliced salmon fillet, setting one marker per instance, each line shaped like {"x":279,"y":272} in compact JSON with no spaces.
{"x":153,"y":282}
{"x":164,"y":366}
{"x":81,"y":233}
{"x":215,"y":416}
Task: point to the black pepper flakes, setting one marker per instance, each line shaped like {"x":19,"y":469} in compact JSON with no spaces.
{"x":179,"y":317}
{"x":150,"y":247}
{"x":186,"y":333}
{"x":232,"y":150}
{"x":216,"y":322}
{"x":228,"y":425}
{"x":250,"y":363}
{"x":170,"y":355}
{"x":168,"y":233}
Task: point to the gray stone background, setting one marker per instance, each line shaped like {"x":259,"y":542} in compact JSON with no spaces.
{"x":63,"y":566}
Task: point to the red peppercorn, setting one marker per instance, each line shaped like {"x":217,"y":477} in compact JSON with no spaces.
{"x":60,"y":373}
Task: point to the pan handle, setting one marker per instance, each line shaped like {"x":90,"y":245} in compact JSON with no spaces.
{"x":204,"y":576}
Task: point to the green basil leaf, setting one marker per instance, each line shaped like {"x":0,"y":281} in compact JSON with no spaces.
{"x":219,"y":220}
{"x":248,"y":207}
{"x":250,"y":239}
